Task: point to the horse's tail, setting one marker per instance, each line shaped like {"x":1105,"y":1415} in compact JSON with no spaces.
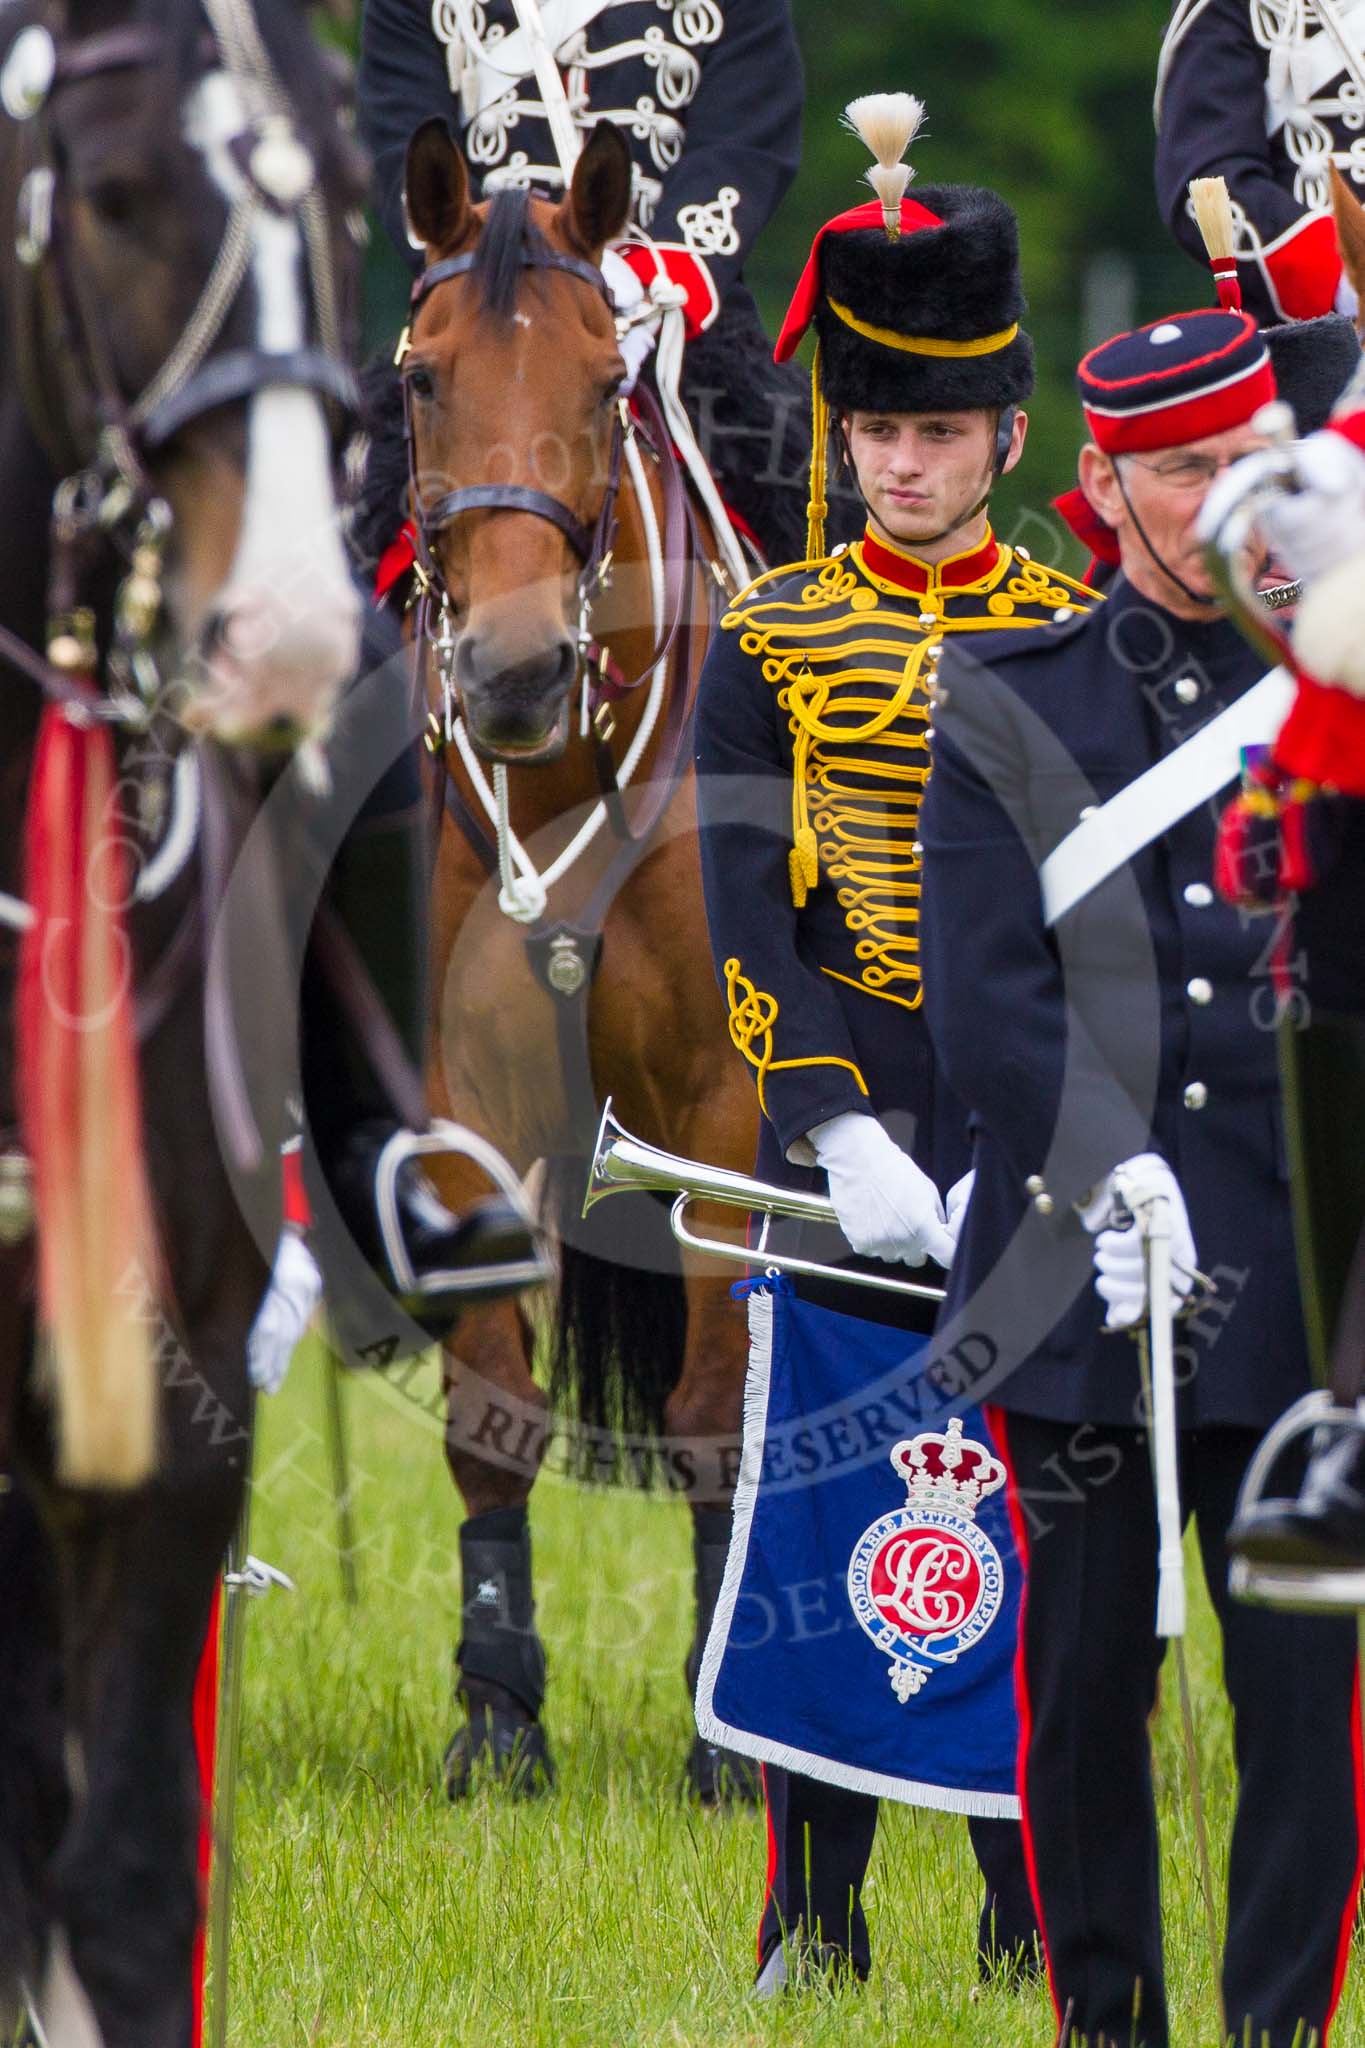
{"x":81,"y":1110}
{"x":620,"y":1324}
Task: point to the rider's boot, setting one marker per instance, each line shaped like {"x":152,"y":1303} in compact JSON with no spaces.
{"x":717,"y":1777}
{"x":434,"y":1262}
{"x":499,"y":1662}
{"x":1324,"y":1527}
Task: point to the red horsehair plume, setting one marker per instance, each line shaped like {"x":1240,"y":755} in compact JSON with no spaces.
{"x":1212,"y":203}
{"x":888,"y":123}
{"x":79,"y":1101}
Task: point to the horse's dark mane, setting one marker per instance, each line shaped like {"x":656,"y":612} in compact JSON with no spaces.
{"x":380,"y":500}
{"x":508,"y":232}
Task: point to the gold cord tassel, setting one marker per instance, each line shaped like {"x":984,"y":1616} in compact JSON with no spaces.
{"x":803,"y":860}
{"x":817,"y":504}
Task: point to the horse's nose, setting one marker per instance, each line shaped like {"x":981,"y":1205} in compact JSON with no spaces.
{"x":513,"y":697}
{"x":270,"y":665}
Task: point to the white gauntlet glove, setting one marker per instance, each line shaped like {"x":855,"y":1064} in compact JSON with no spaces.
{"x":637,"y":343}
{"x":888,"y":1208}
{"x":294,"y":1292}
{"x":1120,"y":1261}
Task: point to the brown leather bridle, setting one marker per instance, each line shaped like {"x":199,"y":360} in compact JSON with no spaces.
{"x":131,"y":428}
{"x":71,"y":389}
{"x":591,"y":541}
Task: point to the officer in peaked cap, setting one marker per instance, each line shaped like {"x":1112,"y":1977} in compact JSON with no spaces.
{"x":812,"y":755}
{"x":1133,"y":1029}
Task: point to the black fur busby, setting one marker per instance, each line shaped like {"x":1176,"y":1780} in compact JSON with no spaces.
{"x":956,"y":283}
{"x":1314,"y":361}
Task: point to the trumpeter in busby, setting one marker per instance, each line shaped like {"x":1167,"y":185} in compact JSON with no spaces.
{"x":812,"y":756}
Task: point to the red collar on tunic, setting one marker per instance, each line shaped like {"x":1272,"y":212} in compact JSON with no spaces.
{"x":897,"y":565}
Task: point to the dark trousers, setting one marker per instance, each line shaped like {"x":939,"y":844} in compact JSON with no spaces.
{"x":1089,"y":1663}
{"x":819,"y":1846}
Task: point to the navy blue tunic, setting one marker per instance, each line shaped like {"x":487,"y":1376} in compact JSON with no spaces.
{"x":708,"y":93}
{"x":1262,"y":95}
{"x":812,"y":727}
{"x":1145,"y":1021}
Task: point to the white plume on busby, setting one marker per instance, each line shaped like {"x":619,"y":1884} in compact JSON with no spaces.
{"x":888,"y":123}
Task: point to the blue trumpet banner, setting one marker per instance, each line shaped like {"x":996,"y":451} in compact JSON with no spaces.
{"x":862,"y":1635}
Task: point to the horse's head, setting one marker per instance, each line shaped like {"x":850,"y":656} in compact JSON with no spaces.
{"x":186,"y":191}
{"x":512,"y":377}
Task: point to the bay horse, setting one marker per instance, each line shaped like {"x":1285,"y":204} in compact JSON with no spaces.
{"x":569,"y":590}
{"x":176,"y":268}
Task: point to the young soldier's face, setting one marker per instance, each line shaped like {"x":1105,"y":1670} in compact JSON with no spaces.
{"x":920,"y":472}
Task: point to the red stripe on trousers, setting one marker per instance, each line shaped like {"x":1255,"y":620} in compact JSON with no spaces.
{"x":1348,"y":1918}
{"x":998,"y":1423}
{"x":205,"y":1715}
{"x":772,"y":1858}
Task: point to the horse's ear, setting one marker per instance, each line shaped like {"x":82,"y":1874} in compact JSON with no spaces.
{"x":1350,"y":220}
{"x":597,"y":207}
{"x":436,"y":187}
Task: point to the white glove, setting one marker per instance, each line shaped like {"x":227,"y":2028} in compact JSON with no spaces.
{"x":888,"y":1208}
{"x":1311,"y":529}
{"x":1120,"y":1259}
{"x":637,"y":343}
{"x":955,"y":1203}
{"x":294,"y":1292}
{"x":1323,"y":524}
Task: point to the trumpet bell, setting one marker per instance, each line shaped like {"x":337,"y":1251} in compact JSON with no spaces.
{"x":624,"y":1164}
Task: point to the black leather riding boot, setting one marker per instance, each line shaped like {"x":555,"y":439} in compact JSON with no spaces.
{"x":433,"y":1261}
{"x":500,"y":1659}
{"x":1324,"y":1528}
{"x":715,"y":1775}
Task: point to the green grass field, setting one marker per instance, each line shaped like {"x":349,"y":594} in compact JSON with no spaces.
{"x":369,"y":1911}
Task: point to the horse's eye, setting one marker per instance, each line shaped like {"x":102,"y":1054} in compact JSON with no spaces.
{"x":421,"y":381}
{"x":116,"y":201}
{"x":612,"y":391}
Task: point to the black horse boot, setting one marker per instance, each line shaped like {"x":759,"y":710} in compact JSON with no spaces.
{"x":1324,"y":1527}
{"x":500,"y":1661}
{"x":432,"y":1261}
{"x":715,"y":1776}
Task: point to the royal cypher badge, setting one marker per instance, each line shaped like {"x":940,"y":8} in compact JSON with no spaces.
{"x":925,"y":1582}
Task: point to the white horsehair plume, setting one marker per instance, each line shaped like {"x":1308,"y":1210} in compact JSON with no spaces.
{"x":1211,"y":204}
{"x":888,"y":123}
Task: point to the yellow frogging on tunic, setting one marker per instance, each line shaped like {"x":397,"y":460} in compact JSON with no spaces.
{"x":753,"y":1013}
{"x":852,"y":658}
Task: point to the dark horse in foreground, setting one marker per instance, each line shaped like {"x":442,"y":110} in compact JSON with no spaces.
{"x":174,"y":307}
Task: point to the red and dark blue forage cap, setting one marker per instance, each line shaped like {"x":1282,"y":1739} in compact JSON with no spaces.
{"x":917,"y":303}
{"x":1175,"y":381}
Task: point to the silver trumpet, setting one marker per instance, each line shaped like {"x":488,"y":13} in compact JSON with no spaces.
{"x":623,"y":1164}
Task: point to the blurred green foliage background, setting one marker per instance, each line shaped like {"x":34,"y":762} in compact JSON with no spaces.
{"x":1050,"y":102}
